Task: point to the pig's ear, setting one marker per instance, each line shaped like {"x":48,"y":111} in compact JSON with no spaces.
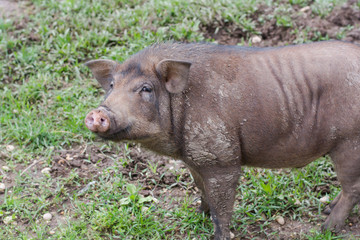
{"x":174,"y":73}
{"x":103,"y":71}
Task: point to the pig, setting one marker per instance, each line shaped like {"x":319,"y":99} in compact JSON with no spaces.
{"x":218,"y":108}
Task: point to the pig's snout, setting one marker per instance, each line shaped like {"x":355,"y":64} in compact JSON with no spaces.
{"x":97,"y":121}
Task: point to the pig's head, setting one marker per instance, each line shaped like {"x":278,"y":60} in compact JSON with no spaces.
{"x":137,"y":101}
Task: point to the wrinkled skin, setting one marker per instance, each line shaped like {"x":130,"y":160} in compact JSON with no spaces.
{"x":218,"y":108}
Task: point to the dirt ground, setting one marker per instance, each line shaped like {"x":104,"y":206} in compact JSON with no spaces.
{"x":274,"y":35}
{"x":8,"y":8}
{"x":76,"y":158}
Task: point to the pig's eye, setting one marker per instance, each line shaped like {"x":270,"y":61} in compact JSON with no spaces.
{"x":146,"y":89}
{"x":111,"y":84}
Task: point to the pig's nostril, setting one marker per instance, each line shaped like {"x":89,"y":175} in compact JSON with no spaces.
{"x":90,"y":120}
{"x":103,"y":121}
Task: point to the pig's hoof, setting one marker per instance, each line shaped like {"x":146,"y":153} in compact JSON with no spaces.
{"x":223,"y":236}
{"x":335,"y":226}
{"x":327,"y":210}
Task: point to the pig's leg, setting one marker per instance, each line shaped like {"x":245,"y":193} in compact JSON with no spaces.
{"x":332,"y":204}
{"x":204,"y":206}
{"x":220,"y":189}
{"x":346,"y":158}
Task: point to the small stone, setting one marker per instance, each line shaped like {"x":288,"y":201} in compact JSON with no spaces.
{"x":2,"y":187}
{"x":280,"y":220}
{"x":255,"y":39}
{"x":47,"y":216}
{"x":5,"y":168}
{"x":324,"y":199}
{"x":144,"y":209}
{"x":7,"y":220}
{"x":10,"y":148}
{"x":46,"y":171}
{"x":297,"y":202}
{"x":61,"y":161}
{"x":232,"y":236}
{"x":52,"y":232}
{"x":350,"y":224}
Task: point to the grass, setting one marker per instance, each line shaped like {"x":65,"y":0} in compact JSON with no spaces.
{"x":45,"y":92}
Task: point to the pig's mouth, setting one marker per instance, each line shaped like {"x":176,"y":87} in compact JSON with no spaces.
{"x":122,"y":134}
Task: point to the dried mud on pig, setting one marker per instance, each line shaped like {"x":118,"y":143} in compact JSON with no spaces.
{"x":219,"y":108}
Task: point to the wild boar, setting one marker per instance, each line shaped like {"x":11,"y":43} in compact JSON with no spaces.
{"x":218,"y":108}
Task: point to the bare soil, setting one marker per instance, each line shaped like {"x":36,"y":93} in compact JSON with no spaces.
{"x":88,"y":162}
{"x":273,"y":34}
{"x":9,"y":8}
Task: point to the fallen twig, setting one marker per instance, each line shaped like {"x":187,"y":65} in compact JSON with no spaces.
{"x":30,"y":166}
